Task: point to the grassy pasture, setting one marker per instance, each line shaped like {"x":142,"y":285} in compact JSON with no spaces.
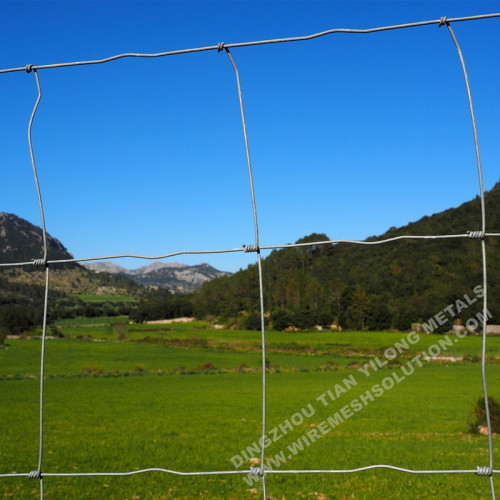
{"x":151,"y":401}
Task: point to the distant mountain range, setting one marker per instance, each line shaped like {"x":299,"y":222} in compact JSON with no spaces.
{"x":21,"y":241}
{"x":173,"y":275}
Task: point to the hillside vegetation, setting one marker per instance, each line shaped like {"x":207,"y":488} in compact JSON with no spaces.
{"x":74,"y":290}
{"x":352,"y":286}
{"x":368,"y":287}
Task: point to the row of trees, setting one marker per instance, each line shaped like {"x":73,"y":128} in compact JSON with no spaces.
{"x":166,"y":307}
{"x":356,"y":287}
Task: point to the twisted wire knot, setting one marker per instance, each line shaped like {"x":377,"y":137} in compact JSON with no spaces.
{"x":442,"y":21}
{"x":40,"y":263}
{"x":220,"y":46}
{"x":250,"y":248}
{"x":29,"y":68}
{"x":35,"y":474}
{"x":484,"y":471}
{"x":257,"y":471}
{"x":477,"y":235}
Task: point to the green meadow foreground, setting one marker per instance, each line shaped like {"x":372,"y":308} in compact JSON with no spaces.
{"x":186,"y":397}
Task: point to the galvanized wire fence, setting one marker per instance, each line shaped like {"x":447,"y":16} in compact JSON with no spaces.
{"x":478,"y":234}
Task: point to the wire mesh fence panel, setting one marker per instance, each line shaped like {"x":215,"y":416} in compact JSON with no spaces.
{"x":260,"y":472}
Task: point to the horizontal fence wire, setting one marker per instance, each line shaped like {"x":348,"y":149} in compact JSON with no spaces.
{"x":44,"y":263}
{"x":245,"y":472}
{"x":219,"y":46}
{"x":248,"y":248}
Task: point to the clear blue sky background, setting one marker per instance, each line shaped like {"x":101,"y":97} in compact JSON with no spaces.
{"x":349,"y":134}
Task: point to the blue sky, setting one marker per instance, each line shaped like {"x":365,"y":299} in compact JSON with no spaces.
{"x":349,"y":134}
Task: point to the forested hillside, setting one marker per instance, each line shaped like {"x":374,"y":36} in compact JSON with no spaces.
{"x":372,"y":287}
{"x":354,"y":286}
{"x":22,"y":289}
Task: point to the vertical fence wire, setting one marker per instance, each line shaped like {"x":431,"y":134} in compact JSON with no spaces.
{"x":33,"y":164}
{"x":40,"y":262}
{"x":44,"y":263}
{"x":483,"y":254}
{"x":259,"y":267}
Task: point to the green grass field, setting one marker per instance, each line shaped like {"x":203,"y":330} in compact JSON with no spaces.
{"x":187,"y":397}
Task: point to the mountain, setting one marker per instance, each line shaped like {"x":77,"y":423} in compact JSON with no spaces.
{"x":374,"y":287}
{"x":21,"y":241}
{"x":173,"y":275}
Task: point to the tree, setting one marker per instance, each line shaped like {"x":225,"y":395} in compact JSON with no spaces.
{"x":336,"y":288}
{"x":360,"y":306}
{"x":379,"y":317}
{"x":281,"y":319}
{"x":313,"y":294}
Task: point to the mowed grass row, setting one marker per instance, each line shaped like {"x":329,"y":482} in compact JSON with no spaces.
{"x":199,"y":422}
{"x":309,"y":343}
{"x":21,"y":357}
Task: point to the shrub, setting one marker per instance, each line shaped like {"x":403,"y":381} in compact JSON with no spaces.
{"x":281,"y":319}
{"x":303,"y":319}
{"x":477,"y":419}
{"x":15,"y":318}
{"x":252,"y":321}
{"x":324,"y":319}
